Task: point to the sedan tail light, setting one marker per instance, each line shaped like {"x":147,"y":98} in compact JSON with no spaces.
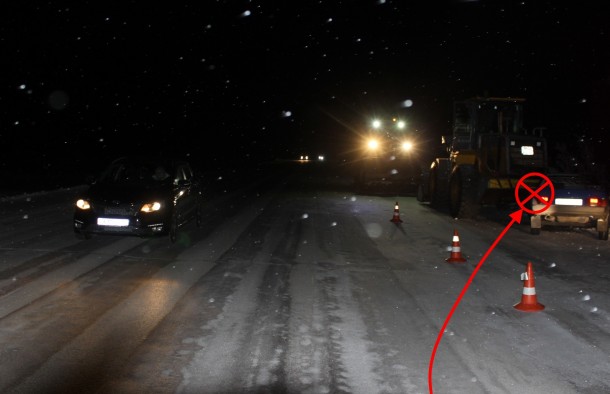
{"x":597,"y":202}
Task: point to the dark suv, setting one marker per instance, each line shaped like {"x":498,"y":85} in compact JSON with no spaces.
{"x":140,"y":196}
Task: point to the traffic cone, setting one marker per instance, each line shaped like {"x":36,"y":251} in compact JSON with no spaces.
{"x":456,"y":251}
{"x":396,"y":216}
{"x":529,"y":302}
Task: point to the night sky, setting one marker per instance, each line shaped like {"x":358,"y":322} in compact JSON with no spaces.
{"x":85,"y":82}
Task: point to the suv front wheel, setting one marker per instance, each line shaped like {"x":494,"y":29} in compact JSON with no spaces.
{"x":173,"y":229}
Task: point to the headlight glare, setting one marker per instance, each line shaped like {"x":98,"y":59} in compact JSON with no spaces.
{"x":372,"y":144}
{"x":406,"y":146}
{"x":151,"y":207}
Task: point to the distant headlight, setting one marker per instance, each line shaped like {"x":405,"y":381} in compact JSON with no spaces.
{"x":83,"y":204}
{"x":152,"y":207}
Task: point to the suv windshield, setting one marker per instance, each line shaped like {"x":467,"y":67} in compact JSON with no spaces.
{"x":129,"y":172}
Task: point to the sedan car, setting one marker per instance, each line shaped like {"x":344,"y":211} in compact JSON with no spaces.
{"x":142,"y":197}
{"x":576,"y":202}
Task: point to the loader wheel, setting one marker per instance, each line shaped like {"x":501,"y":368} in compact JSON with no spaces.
{"x":421,"y":194}
{"x":436,"y":193}
{"x":463,"y":186}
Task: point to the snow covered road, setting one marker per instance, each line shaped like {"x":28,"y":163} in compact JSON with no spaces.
{"x":299,"y":287}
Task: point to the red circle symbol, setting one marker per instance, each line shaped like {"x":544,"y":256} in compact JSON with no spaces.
{"x":542,"y":184}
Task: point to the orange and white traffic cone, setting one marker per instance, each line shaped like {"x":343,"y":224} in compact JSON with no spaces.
{"x":529,"y":301}
{"x":456,"y":250}
{"x":396,"y":216}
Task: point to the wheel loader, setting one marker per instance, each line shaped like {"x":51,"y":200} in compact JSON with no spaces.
{"x":387,"y":161}
{"x":487,"y":154}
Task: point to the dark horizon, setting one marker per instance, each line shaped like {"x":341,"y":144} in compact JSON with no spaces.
{"x":247,"y":82}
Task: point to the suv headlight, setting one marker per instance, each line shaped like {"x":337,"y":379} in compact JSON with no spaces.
{"x":83,"y":204}
{"x":151,"y":207}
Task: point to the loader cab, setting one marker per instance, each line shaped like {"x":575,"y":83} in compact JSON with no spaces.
{"x":492,"y":130}
{"x":477,"y":116}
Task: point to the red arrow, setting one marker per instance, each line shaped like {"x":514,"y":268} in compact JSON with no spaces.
{"x":516,"y":217}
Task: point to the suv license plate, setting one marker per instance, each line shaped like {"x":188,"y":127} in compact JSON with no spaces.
{"x":113,"y":222}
